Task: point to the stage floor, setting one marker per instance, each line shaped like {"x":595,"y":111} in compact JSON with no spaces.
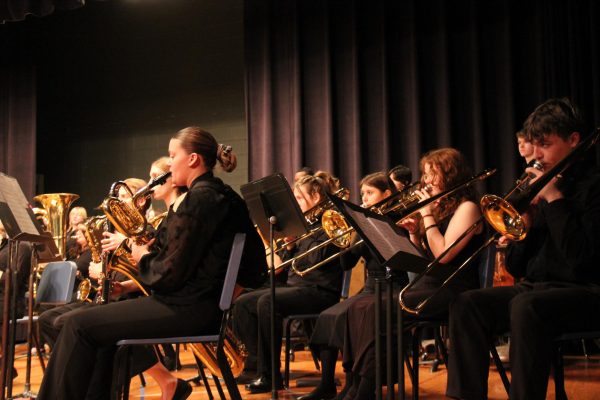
{"x":582,"y":379}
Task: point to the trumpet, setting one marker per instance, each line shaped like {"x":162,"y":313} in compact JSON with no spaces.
{"x":339,"y":231}
{"x":504,"y":216}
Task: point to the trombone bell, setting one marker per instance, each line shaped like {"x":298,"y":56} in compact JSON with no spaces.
{"x":503,"y":217}
{"x":334,"y":225}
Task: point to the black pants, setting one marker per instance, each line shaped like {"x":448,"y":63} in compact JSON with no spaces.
{"x":252,"y":315}
{"x":534,"y":314}
{"x":86,"y":343}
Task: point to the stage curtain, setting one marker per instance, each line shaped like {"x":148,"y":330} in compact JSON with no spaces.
{"x":17,"y":10}
{"x":18,"y":125}
{"x":356,"y":86}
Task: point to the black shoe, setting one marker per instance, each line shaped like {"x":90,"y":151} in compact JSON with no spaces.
{"x":319,"y":394}
{"x":247,"y":376}
{"x":183,"y":390}
{"x":263,"y":385}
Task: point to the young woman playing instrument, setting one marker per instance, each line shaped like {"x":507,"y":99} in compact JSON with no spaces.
{"x":328,"y":336}
{"x":437,"y":227}
{"x":186,"y":274}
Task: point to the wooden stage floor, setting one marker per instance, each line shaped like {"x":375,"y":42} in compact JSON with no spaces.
{"x":582,"y":380}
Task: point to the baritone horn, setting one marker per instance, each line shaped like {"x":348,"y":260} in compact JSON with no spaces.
{"x":57,"y":207}
{"x":504,"y":214}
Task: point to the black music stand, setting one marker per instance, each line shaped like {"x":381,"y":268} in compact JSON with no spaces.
{"x":273,"y":207}
{"x":21,"y":226}
{"x":394,"y":250}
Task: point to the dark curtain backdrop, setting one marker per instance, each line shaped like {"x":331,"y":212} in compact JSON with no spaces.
{"x":17,"y":10}
{"x":18,"y":125}
{"x":359,"y":86}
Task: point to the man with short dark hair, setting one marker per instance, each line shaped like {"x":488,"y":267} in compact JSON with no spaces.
{"x":557,"y":261}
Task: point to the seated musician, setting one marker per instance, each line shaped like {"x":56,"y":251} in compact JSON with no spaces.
{"x":558,"y":261}
{"x":300,"y":295}
{"x":51,"y":321}
{"x":186,"y":276}
{"x":328,"y":336}
{"x":77,"y":215}
{"x":401,"y":176}
{"x":437,"y":226}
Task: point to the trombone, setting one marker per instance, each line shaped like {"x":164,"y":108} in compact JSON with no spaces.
{"x":503,"y":216}
{"x":339,"y":231}
{"x":311,"y":216}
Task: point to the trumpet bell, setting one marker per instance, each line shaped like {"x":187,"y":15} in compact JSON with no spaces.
{"x":334,"y":225}
{"x":503,"y":217}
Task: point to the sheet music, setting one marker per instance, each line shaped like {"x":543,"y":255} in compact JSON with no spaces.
{"x":14,"y":208}
{"x":383,"y":236}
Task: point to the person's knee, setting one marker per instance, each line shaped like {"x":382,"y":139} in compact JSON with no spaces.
{"x":263,"y":305}
{"x":524,"y":311}
{"x":463,"y":306}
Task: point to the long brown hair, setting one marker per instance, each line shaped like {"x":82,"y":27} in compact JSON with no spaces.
{"x":451,"y":168}
{"x":196,"y":140}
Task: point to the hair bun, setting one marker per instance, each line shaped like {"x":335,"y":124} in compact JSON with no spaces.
{"x":226,"y":157}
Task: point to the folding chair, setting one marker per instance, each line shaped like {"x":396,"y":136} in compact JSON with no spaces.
{"x":305,"y":318}
{"x":124,"y":345}
{"x":55,"y":288}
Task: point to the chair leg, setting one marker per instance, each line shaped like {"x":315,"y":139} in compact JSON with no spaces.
{"x":202,"y":376}
{"x":416,"y":342}
{"x":286,"y":375}
{"x":500,"y":368}
{"x":219,"y":388}
{"x":559,"y":375}
{"x":36,"y":340}
{"x":234,"y":392}
{"x":142,"y":379}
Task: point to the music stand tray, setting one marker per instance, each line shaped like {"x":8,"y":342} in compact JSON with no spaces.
{"x":388,"y":242}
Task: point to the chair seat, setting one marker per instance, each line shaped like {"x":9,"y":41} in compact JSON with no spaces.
{"x":172,"y":340}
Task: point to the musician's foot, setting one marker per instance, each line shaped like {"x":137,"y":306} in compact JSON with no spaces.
{"x":246,"y":376}
{"x":183,"y":390}
{"x":263,"y":384}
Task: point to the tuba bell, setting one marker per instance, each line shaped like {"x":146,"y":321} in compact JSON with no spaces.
{"x":234,"y":351}
{"x":57,"y":206}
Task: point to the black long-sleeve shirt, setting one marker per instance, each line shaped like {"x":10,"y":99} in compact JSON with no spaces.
{"x":327,"y":277}
{"x":563,"y":244}
{"x":195,"y":242}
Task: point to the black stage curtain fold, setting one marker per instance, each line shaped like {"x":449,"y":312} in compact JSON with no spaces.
{"x":18,"y":125}
{"x":17,"y":10}
{"x":355,"y":86}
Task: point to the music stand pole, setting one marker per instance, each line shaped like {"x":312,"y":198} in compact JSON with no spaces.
{"x":27,"y":393}
{"x":272,"y":223}
{"x":6,"y":321}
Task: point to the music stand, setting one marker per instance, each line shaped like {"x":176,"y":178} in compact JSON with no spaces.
{"x":394,"y":250}
{"x":273,"y":207}
{"x":21,"y":226}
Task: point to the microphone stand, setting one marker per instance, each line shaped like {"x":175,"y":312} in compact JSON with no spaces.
{"x":272,"y":223}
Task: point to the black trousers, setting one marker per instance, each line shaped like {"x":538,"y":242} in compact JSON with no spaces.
{"x":534,"y":314}
{"x":252,"y":315}
{"x":86,"y":344}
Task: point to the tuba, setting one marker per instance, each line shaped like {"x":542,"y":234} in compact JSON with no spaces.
{"x":234,"y":351}
{"x":57,"y":206}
